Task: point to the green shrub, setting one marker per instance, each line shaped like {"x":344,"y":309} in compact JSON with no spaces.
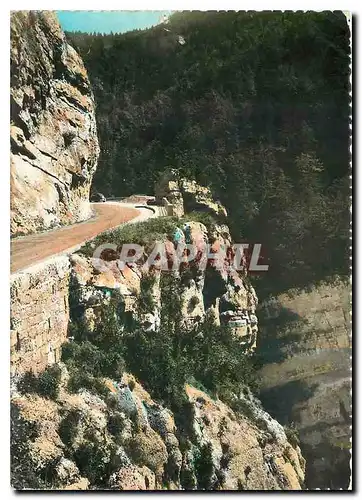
{"x":116,"y":424}
{"x":28,"y":384}
{"x":68,"y":426}
{"x":93,"y":460}
{"x":49,"y":382}
{"x":187,"y":479}
{"x":193,"y":303}
{"x":188,"y":273}
{"x":76,"y":356}
{"x":146,"y":301}
{"x":204,"y":467}
{"x":69,"y":350}
{"x":184,"y":411}
{"x":79,"y":353}
{"x":46,"y":384}
{"x":80,"y":380}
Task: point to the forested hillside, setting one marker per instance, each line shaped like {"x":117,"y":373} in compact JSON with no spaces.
{"x":255,"y":105}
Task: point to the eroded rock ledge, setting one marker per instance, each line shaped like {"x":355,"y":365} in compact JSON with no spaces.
{"x":218,"y":292}
{"x":54,"y":145}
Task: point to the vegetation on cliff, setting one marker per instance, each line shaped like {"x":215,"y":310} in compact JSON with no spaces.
{"x":207,"y":355}
{"x":147,"y":232}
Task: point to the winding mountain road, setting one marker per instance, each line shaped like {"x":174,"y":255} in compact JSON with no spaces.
{"x":29,"y":250}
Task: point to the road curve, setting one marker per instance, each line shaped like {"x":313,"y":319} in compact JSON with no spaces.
{"x":29,"y":250}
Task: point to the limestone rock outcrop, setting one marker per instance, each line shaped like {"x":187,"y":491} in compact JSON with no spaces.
{"x":54,"y":145}
{"x":136,"y":444}
{"x":181,"y":195}
{"x":216,"y":290}
{"x":167,"y":193}
{"x":199,"y":198}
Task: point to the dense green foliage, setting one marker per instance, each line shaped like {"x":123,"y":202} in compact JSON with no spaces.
{"x":97,"y":459}
{"x":46,"y":384}
{"x":292,"y":435}
{"x":204,"y":467}
{"x":105,"y":362}
{"x":255,"y":105}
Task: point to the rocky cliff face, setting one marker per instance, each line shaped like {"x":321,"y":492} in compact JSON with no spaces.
{"x":306,"y":379}
{"x":139,"y":446}
{"x":221,"y":294}
{"x":54,"y":146}
{"x":182,"y":195}
{"x":76,"y":431}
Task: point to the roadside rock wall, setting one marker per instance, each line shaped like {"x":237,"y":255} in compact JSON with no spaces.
{"x":39,"y":315}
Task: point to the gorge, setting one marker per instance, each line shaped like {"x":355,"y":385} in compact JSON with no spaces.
{"x":134,"y":379}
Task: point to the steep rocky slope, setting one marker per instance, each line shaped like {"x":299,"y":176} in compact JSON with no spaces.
{"x":54,"y":145}
{"x":124,"y":440}
{"x":306,"y":379}
{"x":87,"y":423}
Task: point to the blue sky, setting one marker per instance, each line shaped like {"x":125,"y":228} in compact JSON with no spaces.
{"x":107,"y":21}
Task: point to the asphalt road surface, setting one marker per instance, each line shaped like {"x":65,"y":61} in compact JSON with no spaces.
{"x":29,"y":250}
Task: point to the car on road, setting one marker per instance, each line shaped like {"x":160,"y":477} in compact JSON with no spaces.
{"x":98,"y":198}
{"x":151,"y":202}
